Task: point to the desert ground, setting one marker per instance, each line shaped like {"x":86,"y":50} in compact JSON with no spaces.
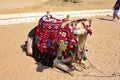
{"x":21,"y":6}
{"x":103,"y":50}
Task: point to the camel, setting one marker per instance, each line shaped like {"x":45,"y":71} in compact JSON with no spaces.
{"x":73,"y":47}
{"x":80,"y":32}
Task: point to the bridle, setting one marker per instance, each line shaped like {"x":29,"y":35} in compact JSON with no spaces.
{"x":88,"y":31}
{"x":73,"y":23}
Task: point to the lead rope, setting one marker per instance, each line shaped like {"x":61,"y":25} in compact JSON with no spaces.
{"x":104,"y":74}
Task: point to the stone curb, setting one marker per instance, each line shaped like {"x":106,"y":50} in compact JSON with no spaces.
{"x":7,"y":19}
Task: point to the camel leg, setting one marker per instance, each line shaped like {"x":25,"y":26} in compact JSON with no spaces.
{"x":29,"y":46}
{"x":59,"y":64}
{"x":81,"y":44}
{"x":30,"y":41}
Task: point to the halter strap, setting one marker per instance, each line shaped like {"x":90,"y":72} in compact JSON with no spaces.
{"x":87,"y":28}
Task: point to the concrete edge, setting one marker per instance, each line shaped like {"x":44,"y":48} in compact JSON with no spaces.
{"x":7,"y":19}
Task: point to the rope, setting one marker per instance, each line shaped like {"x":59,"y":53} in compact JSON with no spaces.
{"x":104,"y":74}
{"x":96,"y":68}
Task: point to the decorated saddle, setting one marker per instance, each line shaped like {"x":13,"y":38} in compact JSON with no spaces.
{"x":50,"y":36}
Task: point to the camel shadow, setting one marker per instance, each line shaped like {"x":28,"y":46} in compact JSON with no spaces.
{"x":23,"y":47}
{"x":41,"y":67}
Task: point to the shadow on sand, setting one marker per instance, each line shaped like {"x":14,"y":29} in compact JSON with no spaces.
{"x":105,"y":19}
{"x":40,"y":66}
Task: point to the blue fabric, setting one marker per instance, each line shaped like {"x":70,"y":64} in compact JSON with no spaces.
{"x":115,"y":12}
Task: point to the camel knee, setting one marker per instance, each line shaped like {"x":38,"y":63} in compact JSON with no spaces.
{"x":59,"y":64}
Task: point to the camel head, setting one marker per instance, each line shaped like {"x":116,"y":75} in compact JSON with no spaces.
{"x":80,"y":28}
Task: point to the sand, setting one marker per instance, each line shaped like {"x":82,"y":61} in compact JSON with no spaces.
{"x":103,"y":52}
{"x":21,"y":6}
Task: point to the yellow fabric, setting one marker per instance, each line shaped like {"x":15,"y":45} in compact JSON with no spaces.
{"x":62,"y":46}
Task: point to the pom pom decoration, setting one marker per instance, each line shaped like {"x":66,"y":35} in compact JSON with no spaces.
{"x":82,"y":61}
{"x":84,"y":58}
{"x":86,"y":50}
{"x":71,"y":53}
{"x":62,"y":46}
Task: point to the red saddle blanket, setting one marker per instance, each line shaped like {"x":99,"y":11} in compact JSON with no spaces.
{"x":49,"y":35}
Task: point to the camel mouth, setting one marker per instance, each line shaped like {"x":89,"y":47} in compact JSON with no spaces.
{"x":76,"y":35}
{"x":79,"y":32}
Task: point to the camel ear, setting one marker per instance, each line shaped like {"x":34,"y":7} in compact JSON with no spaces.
{"x":90,"y":22}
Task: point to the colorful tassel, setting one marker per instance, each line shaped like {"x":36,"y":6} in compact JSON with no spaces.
{"x":49,"y":43}
{"x":84,"y":58}
{"x":36,"y":39}
{"x":62,"y":46}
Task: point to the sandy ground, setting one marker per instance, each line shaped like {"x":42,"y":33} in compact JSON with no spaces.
{"x":19,"y":6}
{"x":103,"y":46}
